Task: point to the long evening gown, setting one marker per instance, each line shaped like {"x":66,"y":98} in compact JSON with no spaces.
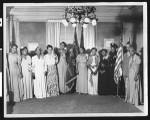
{"x":111,"y":66}
{"x":40,"y":79}
{"x":103,"y":77}
{"x":52,"y":88}
{"x":126,"y":59}
{"x":82,"y":82}
{"x":135,"y":83}
{"x":93,"y":86}
{"x":15,"y":80}
{"x":27,"y":82}
{"x":62,"y":71}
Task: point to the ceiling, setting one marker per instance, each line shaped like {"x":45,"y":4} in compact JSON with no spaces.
{"x":43,"y":13}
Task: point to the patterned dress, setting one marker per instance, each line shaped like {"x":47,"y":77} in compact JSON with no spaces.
{"x":52,"y":88}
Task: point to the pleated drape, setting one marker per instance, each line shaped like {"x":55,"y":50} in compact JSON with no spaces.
{"x":89,"y":36}
{"x":53,"y":32}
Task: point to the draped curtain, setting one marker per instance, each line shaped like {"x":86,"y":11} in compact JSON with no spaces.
{"x":89,"y":36}
{"x":53,"y":32}
{"x":16,"y":33}
{"x":12,"y":33}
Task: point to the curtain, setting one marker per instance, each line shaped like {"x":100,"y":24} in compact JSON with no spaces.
{"x":15,"y":33}
{"x":7,"y":35}
{"x":53,"y":32}
{"x":89,"y":36}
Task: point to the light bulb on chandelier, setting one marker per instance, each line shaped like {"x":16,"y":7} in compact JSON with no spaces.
{"x":63,"y":21}
{"x":72,"y":20}
{"x":84,"y":25}
{"x":86,"y":20}
{"x":80,"y":15}
{"x":93,"y":22}
{"x":74,"y":25}
{"x":66,"y":23}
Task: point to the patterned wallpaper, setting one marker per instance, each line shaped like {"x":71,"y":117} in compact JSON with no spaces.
{"x":107,"y":30}
{"x":33,"y":32}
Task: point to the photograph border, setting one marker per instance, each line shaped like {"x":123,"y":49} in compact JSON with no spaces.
{"x":145,"y":64}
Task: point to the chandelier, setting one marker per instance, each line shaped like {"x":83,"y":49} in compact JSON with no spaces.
{"x":80,"y":15}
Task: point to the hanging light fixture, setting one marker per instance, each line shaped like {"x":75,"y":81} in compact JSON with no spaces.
{"x":74,"y":25}
{"x":84,"y":25}
{"x":93,"y":22}
{"x":80,"y":14}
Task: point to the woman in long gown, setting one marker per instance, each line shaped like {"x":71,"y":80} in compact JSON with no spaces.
{"x":81,"y":67}
{"x":135,"y":83}
{"x":15,"y":74}
{"x":93,"y":63}
{"x":38,"y":66}
{"x":62,"y":68}
{"x":103,"y":73}
{"x":51,"y":60}
{"x":126,"y":58}
{"x":111,"y":66}
{"x":26,"y":72}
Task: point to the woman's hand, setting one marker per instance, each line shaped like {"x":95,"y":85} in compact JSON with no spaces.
{"x":77,"y":72}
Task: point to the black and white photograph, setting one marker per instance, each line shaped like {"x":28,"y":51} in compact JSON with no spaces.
{"x":75,"y":59}
{"x":1,"y":70}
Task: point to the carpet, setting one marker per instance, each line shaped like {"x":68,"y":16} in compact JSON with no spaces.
{"x":73,"y":103}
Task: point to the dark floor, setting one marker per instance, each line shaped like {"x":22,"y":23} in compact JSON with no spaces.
{"x":72,"y":103}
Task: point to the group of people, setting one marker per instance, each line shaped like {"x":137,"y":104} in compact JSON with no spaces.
{"x":52,"y":74}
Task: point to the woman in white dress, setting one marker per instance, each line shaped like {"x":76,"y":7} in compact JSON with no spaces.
{"x":134,"y":79}
{"x":26,"y":72}
{"x":38,"y":65}
{"x":51,"y":60}
{"x":93,"y":63}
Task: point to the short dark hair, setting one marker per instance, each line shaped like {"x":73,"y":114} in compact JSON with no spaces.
{"x":83,"y":49}
{"x":14,"y":45}
{"x":63,"y":43}
{"x":24,"y":49}
{"x":94,"y":49}
{"x":104,"y":50}
{"x":39,"y":49}
{"x":49,"y":46}
{"x":128,"y":43}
